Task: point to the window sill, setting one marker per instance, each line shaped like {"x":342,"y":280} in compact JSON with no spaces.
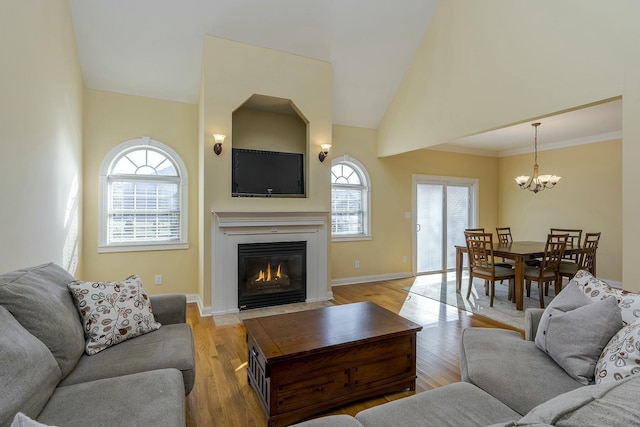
{"x":351,"y":238}
{"x":143,"y":247}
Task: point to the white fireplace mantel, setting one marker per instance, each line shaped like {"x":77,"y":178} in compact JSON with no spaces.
{"x":229,"y":229}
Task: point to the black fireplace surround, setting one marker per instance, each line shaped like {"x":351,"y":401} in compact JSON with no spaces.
{"x":271,"y":274}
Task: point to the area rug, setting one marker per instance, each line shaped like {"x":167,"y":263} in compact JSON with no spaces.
{"x":442,"y":287}
{"x":236,"y":318}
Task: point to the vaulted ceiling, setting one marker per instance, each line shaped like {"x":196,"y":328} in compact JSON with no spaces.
{"x":153,"y":48}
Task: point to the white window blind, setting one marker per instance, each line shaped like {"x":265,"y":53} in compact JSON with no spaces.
{"x":143,"y":210}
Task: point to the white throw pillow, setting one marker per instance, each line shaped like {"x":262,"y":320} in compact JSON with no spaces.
{"x":573,"y":330}
{"x":597,"y":289}
{"x":112,"y":312}
{"x":621,"y":356}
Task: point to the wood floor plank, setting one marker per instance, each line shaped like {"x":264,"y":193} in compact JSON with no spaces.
{"x":222,"y":397}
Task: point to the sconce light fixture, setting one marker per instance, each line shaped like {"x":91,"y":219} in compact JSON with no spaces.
{"x":219,"y":139}
{"x":324,"y":152}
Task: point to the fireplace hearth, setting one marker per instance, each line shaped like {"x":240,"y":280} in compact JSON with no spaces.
{"x":271,"y":273}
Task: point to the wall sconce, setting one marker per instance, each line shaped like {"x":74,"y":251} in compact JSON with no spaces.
{"x":324,"y":152}
{"x":219,"y":138}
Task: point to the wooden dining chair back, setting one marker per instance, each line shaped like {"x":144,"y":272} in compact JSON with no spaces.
{"x":548,"y":271}
{"x":474,"y":230}
{"x":504,"y":234}
{"x":482,"y":264}
{"x":586,"y":259}
{"x":575,"y":237}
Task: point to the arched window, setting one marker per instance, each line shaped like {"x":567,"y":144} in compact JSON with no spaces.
{"x":143,"y":203}
{"x":350,"y":200}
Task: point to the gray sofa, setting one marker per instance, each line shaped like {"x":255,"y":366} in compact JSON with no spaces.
{"x":507,"y":381}
{"x":46,"y":375}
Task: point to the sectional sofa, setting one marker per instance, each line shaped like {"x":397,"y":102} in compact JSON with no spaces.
{"x":549,"y":378}
{"x":46,"y":374}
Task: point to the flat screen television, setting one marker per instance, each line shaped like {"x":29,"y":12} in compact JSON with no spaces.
{"x":258,"y":173}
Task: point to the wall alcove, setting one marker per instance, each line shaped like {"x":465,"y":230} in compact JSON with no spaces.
{"x":270,"y":155}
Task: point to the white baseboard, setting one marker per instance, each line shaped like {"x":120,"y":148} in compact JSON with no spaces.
{"x":366,"y":279}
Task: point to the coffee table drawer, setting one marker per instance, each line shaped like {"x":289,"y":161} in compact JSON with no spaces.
{"x":310,"y":391}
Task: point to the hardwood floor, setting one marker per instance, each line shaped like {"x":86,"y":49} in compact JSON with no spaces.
{"x":222,"y":397}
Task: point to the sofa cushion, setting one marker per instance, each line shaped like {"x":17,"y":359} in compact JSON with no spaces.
{"x":331,"y":421}
{"x":152,"y":398}
{"x":511,"y":369}
{"x":29,"y":373}
{"x":113,"y":312}
{"x":39,"y":299}
{"x":573,"y":331}
{"x":597,"y":289}
{"x":21,"y":420}
{"x":169,"y":347}
{"x":612,"y":404}
{"x":621,"y":356}
{"x":457,"y":404}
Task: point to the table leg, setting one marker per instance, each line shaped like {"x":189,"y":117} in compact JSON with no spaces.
{"x":519,"y":285}
{"x":458,"y":269}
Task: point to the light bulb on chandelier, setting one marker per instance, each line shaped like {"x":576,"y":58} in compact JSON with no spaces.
{"x":537,"y":182}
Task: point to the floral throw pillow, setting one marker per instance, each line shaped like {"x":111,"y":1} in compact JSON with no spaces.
{"x":112,"y":312}
{"x":621,"y":356}
{"x":597,"y":290}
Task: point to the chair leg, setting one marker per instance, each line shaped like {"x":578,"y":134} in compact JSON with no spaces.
{"x":558,"y":284}
{"x":546,"y":289}
{"x":528,"y":284}
{"x":486,"y":287}
{"x":492,"y":292}
{"x":470,"y":285}
{"x":511,"y":296}
{"x":540,"y":291}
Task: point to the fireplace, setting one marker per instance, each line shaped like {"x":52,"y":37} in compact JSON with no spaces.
{"x":230,"y":229}
{"x":271,"y":273}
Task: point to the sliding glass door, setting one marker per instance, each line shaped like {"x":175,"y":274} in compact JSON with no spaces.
{"x":444,"y":207}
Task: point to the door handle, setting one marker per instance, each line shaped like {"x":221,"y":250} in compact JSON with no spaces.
{"x":418,"y":227}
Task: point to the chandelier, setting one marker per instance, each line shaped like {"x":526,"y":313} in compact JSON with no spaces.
{"x":537,"y":182}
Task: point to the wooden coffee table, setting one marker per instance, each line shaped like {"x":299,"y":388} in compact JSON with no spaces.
{"x":307,"y":362}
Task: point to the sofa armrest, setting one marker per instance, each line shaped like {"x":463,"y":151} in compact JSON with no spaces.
{"x":169,"y":308}
{"x":532,"y":317}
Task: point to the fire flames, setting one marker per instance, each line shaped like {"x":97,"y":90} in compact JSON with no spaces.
{"x":268,"y":276}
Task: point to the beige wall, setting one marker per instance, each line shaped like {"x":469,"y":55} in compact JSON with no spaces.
{"x":589,"y":197}
{"x":110,"y":119}
{"x":631,"y":148}
{"x":488,"y":64}
{"x":261,"y":130}
{"x":231,"y":73}
{"x":391,"y":181}
{"x":41,"y":135}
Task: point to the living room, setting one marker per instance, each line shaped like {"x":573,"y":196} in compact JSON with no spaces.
{"x":56,"y":133}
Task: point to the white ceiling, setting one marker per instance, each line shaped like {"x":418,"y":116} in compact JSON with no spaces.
{"x":594,"y":123}
{"x":153,"y":48}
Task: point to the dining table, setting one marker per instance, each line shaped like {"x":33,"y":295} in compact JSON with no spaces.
{"x":520,"y":252}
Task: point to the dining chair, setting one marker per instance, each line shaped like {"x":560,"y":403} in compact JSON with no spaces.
{"x":504,"y":234}
{"x":575,"y":236}
{"x":587,"y":258}
{"x":482,"y":264}
{"x":548,"y":271}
